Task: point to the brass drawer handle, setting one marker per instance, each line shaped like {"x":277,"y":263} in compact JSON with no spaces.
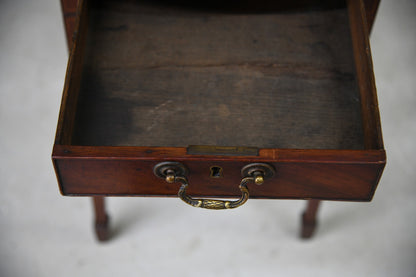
{"x":213,"y":204}
{"x":174,"y":172}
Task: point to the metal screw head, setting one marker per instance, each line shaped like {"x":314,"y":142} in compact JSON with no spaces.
{"x":259,"y":179}
{"x":170,"y":178}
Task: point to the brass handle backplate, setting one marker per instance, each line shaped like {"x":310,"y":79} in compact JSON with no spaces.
{"x":174,"y":172}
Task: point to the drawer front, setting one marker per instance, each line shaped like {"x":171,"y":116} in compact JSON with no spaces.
{"x":293,"y":179}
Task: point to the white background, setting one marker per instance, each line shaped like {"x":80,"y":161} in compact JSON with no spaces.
{"x":45,"y":234}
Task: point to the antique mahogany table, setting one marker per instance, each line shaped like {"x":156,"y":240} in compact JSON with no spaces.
{"x":219,"y":99}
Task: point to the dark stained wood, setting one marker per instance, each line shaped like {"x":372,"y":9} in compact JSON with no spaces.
{"x":69,"y":6}
{"x":150,"y":80}
{"x":299,"y":80}
{"x":306,"y":174}
{"x":101,"y":219}
{"x":72,"y":81}
{"x":365,"y":76}
{"x":69,"y":14}
{"x":69,"y":9}
{"x":309,"y":219}
{"x":266,"y":155}
{"x":371,"y":7}
{"x":69,"y":21}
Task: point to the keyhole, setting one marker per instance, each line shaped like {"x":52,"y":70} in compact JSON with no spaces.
{"x":216,"y":172}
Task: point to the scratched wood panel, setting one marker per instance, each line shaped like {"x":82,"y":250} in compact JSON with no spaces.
{"x":166,"y":75}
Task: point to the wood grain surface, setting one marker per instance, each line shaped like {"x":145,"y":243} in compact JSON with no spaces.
{"x":296,"y":84}
{"x":165,"y":76}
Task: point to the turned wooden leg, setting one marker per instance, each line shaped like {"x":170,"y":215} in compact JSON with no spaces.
{"x":101,"y":219}
{"x":309,"y":220}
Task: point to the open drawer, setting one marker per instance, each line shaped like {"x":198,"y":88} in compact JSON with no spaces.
{"x":217,"y":86}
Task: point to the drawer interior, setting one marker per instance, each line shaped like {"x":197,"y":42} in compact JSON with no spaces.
{"x":244,"y":73}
